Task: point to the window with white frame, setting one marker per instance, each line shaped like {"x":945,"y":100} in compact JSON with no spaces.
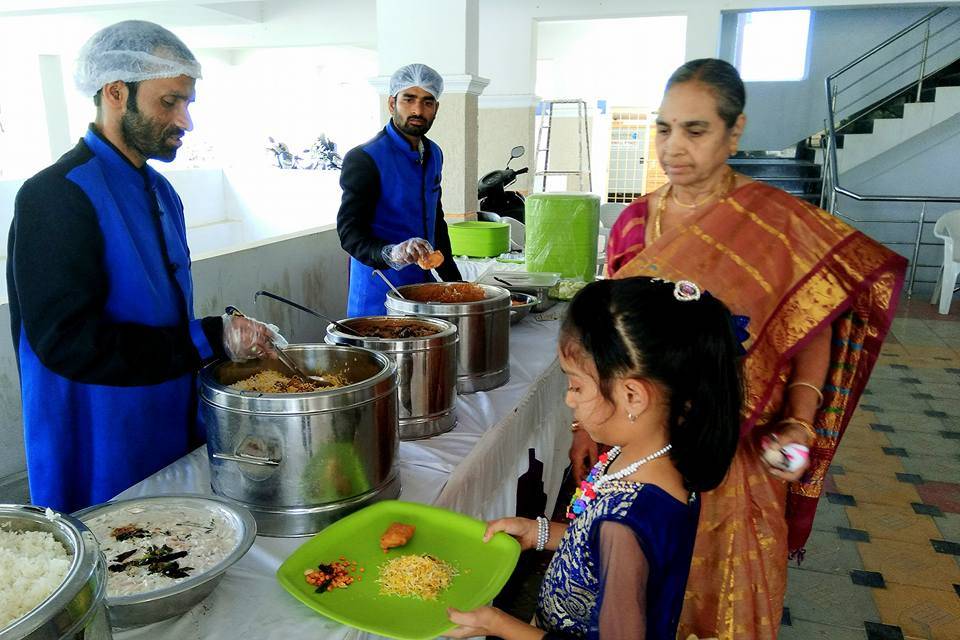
{"x":772,"y":45}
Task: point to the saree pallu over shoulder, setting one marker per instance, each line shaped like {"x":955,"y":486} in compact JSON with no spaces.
{"x":792,"y":269}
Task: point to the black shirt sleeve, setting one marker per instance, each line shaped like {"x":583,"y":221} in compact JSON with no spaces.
{"x":448,"y":270}
{"x":360,"y":181}
{"x":59,"y":292}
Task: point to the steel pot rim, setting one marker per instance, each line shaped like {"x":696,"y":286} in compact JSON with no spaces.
{"x":242,"y":519}
{"x":83,"y":566}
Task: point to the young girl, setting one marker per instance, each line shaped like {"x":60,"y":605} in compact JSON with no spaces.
{"x":652,"y":369}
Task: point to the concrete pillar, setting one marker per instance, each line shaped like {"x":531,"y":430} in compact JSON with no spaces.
{"x":55,"y":105}
{"x":703,"y":34}
{"x":443,"y":34}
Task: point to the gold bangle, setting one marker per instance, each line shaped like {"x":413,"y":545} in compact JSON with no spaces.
{"x":809,"y":386}
{"x":575,"y":426}
{"x":804,"y":424}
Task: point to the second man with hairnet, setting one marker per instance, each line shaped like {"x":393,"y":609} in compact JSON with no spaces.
{"x":390,"y":215}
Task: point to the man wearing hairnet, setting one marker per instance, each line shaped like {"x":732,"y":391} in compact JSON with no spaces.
{"x":390,"y":214}
{"x":101,"y":295}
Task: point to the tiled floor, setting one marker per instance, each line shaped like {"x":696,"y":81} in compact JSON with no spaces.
{"x":884,"y":558}
{"x":883,"y":561}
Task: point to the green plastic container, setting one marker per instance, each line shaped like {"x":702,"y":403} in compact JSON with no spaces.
{"x":479,"y":239}
{"x":561,"y":234}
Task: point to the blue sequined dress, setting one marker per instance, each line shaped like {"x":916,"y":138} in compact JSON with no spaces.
{"x":588,"y":569}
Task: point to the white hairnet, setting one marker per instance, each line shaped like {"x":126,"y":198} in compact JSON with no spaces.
{"x":132,"y":51}
{"x":416,"y":75}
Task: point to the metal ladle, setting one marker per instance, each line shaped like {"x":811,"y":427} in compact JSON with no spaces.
{"x":339,"y":325}
{"x":389,"y":284}
{"x":282,"y":356}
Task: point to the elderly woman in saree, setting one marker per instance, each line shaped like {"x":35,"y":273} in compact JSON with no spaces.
{"x":813,"y":300}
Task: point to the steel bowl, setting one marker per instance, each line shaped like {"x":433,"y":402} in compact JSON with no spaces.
{"x":152,"y":606}
{"x":520,"y":311}
{"x":76,"y":608}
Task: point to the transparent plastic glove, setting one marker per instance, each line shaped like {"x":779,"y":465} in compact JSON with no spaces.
{"x":407,"y":252}
{"x":248,"y":339}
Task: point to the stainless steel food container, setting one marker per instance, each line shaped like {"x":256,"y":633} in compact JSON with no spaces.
{"x":299,"y":461}
{"x":483,"y":354}
{"x":537,"y":284}
{"x":426,"y":370}
{"x":152,"y":606}
{"x":76,"y":609}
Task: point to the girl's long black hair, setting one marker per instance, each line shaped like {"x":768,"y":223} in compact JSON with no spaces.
{"x":636,"y":328}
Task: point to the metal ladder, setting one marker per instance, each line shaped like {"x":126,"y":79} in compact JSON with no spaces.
{"x":543,"y":144}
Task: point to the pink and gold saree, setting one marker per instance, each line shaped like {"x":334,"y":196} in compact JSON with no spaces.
{"x":791,"y":269}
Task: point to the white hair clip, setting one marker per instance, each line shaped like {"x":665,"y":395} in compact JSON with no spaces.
{"x":685,"y":291}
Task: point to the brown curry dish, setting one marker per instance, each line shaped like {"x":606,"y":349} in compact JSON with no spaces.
{"x":392,"y":329}
{"x":447,"y":292}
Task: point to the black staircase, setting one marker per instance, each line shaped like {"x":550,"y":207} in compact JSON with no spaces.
{"x":797,"y":176}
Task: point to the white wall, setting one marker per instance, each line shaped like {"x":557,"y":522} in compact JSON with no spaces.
{"x":780,"y":114}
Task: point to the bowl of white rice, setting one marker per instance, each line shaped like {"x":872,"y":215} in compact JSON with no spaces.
{"x":166,"y":553}
{"x":52,"y":576}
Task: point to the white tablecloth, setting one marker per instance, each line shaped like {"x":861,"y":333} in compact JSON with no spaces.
{"x":472,"y":469}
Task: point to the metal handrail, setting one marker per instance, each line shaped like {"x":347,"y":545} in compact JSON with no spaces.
{"x":831,"y":172}
{"x":887,"y":42}
{"x":893,"y":79}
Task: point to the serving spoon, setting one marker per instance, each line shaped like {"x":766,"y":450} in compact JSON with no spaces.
{"x":389,"y":284}
{"x":339,"y":325}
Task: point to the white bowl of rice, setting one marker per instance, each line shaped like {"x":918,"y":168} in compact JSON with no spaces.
{"x":52,"y":576}
{"x":166,"y":553}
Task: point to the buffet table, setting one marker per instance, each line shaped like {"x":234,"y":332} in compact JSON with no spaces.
{"x":472,"y":469}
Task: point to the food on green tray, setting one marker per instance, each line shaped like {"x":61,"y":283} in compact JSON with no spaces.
{"x":33,"y":564}
{"x":396,"y":535}
{"x":566,"y":289}
{"x":339,"y":574}
{"x":415,"y":576}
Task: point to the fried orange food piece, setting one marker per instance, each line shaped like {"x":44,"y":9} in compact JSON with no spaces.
{"x":396,"y":535}
{"x":431,"y":260}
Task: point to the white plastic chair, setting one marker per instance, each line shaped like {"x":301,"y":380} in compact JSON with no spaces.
{"x":948,"y":230}
{"x":517,"y":231}
{"x":609,"y":212}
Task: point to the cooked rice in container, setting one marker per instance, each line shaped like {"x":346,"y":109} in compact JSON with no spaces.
{"x":269,"y":381}
{"x":152,"y":546}
{"x":415,"y":576}
{"x":33,"y":564}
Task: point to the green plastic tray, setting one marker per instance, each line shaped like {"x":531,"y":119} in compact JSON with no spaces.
{"x":479,"y":239}
{"x":453,"y":537}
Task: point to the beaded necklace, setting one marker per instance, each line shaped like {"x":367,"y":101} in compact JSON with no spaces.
{"x":596,"y":479}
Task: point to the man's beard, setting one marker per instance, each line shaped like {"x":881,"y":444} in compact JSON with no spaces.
{"x":411,"y":129}
{"x":147,"y":137}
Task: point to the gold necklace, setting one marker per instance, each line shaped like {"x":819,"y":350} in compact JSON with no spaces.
{"x":662,"y":203}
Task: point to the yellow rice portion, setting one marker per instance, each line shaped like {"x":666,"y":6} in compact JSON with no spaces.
{"x":269,"y":381}
{"x":415,"y":576}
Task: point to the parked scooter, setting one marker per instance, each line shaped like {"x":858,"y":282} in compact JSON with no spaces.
{"x":493,"y":197}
